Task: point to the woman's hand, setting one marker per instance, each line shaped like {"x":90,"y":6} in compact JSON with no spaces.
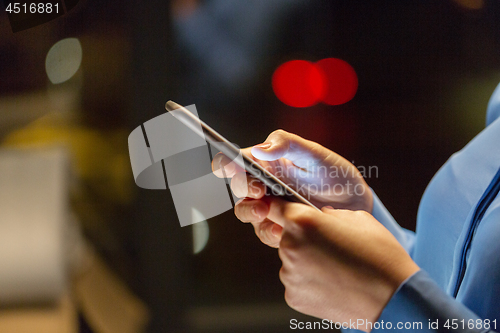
{"x":320,"y":175}
{"x":339,"y":265}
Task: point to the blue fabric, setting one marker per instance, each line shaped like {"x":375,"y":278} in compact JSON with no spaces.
{"x":421,"y":302}
{"x":404,"y":236}
{"x":443,"y":222}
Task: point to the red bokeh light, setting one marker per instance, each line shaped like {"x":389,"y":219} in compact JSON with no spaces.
{"x":342,"y":81}
{"x":300,"y":83}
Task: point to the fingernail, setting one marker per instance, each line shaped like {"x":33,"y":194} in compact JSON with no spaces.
{"x":276,"y":230}
{"x":264,"y":145}
{"x":255,"y":212}
{"x":328,"y":207}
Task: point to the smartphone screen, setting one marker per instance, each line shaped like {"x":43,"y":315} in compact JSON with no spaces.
{"x":276,"y":186}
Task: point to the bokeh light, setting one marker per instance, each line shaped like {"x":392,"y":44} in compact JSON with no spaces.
{"x":470,"y":4}
{"x":201,"y":231}
{"x":341,"y":81}
{"x":63,"y":60}
{"x":298,"y":83}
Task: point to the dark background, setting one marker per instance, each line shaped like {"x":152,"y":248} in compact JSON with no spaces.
{"x":425,"y":69}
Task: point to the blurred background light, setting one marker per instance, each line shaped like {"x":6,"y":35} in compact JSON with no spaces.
{"x":470,"y":4}
{"x":341,"y":81}
{"x":298,"y":83}
{"x":201,"y":232}
{"x":63,"y":60}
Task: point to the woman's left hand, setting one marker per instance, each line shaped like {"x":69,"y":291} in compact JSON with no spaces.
{"x":339,"y":265}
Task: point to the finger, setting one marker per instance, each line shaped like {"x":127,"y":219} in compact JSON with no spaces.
{"x":296,"y":215}
{"x":251,"y":210}
{"x":328,"y":210}
{"x":245,"y":186}
{"x":268,"y":232}
{"x":255,"y":211}
{"x":224,"y":167}
{"x":334,"y":222}
{"x":300,"y":151}
{"x":276,"y":206}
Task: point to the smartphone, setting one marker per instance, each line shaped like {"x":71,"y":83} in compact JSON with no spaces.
{"x":275,"y":185}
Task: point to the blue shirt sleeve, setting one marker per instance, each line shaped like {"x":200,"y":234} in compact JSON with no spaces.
{"x":421,"y":304}
{"x":404,"y":236}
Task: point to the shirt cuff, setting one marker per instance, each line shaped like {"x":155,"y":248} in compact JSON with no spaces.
{"x":420,"y":305}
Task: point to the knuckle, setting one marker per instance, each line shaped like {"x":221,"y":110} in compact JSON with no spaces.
{"x":285,"y":277}
{"x":288,"y":251}
{"x":243,"y":212}
{"x":290,"y":212}
{"x":304,"y":217}
{"x":294,"y":279}
{"x":255,"y":188}
{"x":238,"y":213}
{"x":278,"y":132}
{"x":292,"y":300}
{"x":263,"y":232}
{"x":288,"y":243}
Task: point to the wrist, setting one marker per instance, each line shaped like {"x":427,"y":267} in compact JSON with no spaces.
{"x":384,"y":293}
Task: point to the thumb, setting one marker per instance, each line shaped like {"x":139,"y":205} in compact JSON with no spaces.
{"x":328,"y":210}
{"x":300,"y":151}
